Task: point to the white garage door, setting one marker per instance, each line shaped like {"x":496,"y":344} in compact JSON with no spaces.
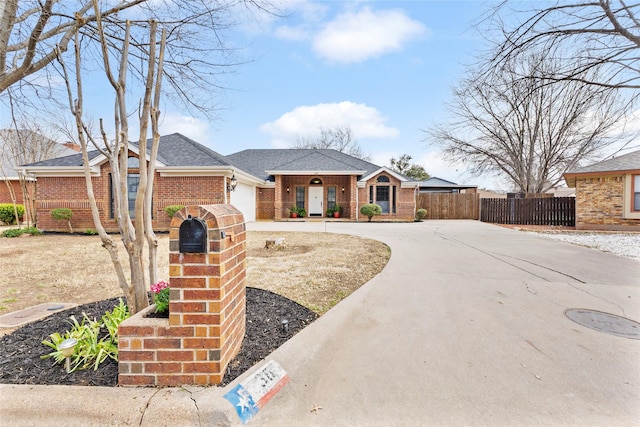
{"x":244,"y":199}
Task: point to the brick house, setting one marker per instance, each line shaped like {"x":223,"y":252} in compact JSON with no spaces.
{"x":608,"y":193}
{"x":267,"y":182}
{"x":31,"y":146}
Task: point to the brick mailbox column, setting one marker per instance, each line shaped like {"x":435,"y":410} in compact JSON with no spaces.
{"x":207,"y":306}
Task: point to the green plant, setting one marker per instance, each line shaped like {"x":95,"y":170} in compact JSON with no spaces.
{"x":421,"y":214}
{"x":302,"y":213}
{"x":93,"y":347}
{"x":370,"y":210}
{"x":17,"y":232}
{"x":31,"y":230}
{"x":8,"y":213}
{"x":330,"y":211}
{"x":90,"y":232}
{"x":172,"y":209}
{"x":63,"y":214}
{"x":12,"y":232}
{"x":161,"y":296}
{"x":294,"y":209}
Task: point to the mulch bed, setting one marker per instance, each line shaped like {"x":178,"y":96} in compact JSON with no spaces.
{"x":20,"y":351}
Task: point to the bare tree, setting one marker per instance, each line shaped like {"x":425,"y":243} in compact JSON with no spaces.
{"x":527,"y":130}
{"x":339,"y":138}
{"x":584,"y":35}
{"x":117,"y":151}
{"x":33,"y":33}
{"x":404,"y":166}
{"x":24,"y":143}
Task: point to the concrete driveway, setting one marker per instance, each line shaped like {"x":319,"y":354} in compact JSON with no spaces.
{"x":465,"y":326}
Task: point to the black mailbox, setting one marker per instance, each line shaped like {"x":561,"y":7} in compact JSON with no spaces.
{"x":193,"y":236}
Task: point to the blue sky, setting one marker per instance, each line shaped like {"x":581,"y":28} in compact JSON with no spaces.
{"x":384,"y":68}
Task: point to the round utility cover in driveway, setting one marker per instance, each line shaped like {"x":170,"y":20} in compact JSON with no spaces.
{"x":605,"y":322}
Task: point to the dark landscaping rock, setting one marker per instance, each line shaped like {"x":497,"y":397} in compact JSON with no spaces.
{"x":20,"y":351}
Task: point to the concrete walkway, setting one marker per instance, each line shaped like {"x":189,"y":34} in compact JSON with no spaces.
{"x":465,"y":326}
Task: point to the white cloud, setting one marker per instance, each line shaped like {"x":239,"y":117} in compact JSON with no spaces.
{"x":364,"y":34}
{"x":190,"y":127}
{"x":364,"y":121}
{"x":298,"y":33}
{"x":308,"y":13}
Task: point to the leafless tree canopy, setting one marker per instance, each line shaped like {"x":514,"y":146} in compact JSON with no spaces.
{"x":19,"y":146}
{"x":34,"y":32}
{"x":584,"y":35}
{"x":339,"y":138}
{"x":524,"y":128}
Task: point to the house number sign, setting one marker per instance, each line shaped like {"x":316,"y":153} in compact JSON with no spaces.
{"x":256,"y":390}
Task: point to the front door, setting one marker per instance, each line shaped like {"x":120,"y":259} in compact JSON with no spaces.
{"x":315,"y":201}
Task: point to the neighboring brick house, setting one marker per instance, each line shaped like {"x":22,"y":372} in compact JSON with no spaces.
{"x":608,"y":193}
{"x":267,"y":182}
{"x":15,"y":146}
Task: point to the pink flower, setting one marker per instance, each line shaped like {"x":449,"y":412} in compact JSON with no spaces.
{"x":159,"y":287}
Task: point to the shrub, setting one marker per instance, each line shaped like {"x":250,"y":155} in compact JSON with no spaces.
{"x":172,"y":209}
{"x":12,"y":232}
{"x":90,"y":232}
{"x":421,"y":214}
{"x":7,"y":212}
{"x":31,"y":230}
{"x":17,"y":232}
{"x":370,"y":210}
{"x":63,"y":214}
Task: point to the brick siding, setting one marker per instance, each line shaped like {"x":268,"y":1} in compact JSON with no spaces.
{"x":70,"y":192}
{"x":405,"y":200}
{"x":600,"y":203}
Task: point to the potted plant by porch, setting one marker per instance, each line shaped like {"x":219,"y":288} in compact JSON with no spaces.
{"x":293,"y":211}
{"x":337,"y":210}
{"x":302,"y":213}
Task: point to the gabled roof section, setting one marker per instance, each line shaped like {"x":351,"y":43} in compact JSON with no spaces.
{"x":626,"y":162}
{"x":178,"y":150}
{"x":389,"y":171}
{"x":263,"y":163}
{"x":73,"y":160}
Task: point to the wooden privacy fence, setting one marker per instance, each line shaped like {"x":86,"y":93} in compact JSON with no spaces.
{"x":449,"y":205}
{"x":534,"y":211}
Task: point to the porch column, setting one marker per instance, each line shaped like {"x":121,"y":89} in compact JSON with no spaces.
{"x":278,"y":198}
{"x":353,"y":197}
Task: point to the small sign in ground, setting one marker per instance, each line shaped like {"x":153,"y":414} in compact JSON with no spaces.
{"x":256,"y":390}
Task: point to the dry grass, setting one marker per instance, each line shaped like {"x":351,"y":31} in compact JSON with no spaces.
{"x":314,"y":269}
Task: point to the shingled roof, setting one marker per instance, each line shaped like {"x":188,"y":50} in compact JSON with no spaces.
{"x":260,"y":162}
{"x":174,"y":150}
{"x":626,"y":162}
